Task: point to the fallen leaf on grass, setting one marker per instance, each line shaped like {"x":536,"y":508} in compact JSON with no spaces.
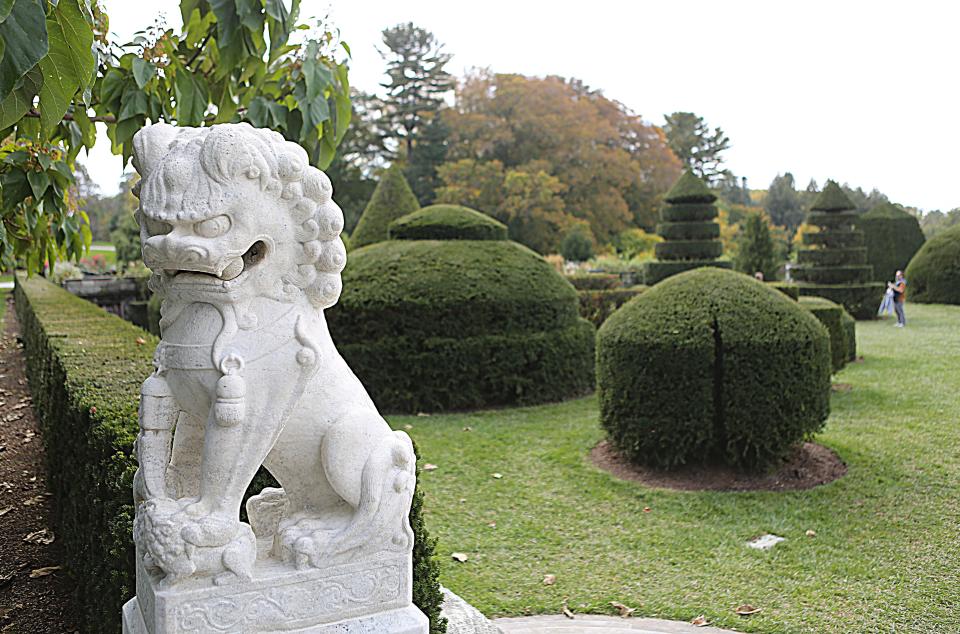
{"x":646,"y":509}
{"x":497,"y":476}
{"x":468,"y":429}
{"x":408,"y":426}
{"x":492,"y":524}
{"x":746,"y":610}
{"x":811,"y":533}
{"x":461,"y":557}
{"x":4,"y":511}
{"x":565,"y":610}
{"x":700,"y":621}
{"x":430,"y":467}
{"x":43,"y":572}
{"x":141,"y":341}
{"x":37,"y":499}
{"x":549,"y":580}
{"x":624,"y":611}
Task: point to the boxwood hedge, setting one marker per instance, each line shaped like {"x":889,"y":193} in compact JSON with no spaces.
{"x":447,"y":222}
{"x":830,"y":315}
{"x":787,"y":288}
{"x":85,"y":367}
{"x":392,"y":199}
{"x":933,"y":276}
{"x":892,"y":237}
{"x":712,"y":364}
{"x":432,"y":325}
{"x":596,"y":306}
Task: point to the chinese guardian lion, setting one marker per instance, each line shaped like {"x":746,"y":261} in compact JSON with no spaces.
{"x":242,"y":237}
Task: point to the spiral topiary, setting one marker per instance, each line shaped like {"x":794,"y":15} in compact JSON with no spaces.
{"x":691,"y":238}
{"x":712,"y":364}
{"x":833,"y":264}
{"x":933,"y":275}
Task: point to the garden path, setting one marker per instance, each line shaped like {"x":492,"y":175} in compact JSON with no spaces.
{"x":557,"y":624}
{"x":34,"y":592}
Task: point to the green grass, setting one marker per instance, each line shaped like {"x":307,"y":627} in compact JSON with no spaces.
{"x":884,"y":557}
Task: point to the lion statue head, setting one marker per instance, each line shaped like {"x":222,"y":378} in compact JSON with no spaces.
{"x":233,"y":212}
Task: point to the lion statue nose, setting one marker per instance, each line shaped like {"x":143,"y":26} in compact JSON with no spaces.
{"x":194,"y":254}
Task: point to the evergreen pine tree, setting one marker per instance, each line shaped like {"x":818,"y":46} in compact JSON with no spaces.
{"x":757,"y":252}
{"x":429,"y":152}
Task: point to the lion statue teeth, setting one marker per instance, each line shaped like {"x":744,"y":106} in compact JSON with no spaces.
{"x":242,"y":237}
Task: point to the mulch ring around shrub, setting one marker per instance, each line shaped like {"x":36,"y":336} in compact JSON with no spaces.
{"x":810,"y":465}
{"x":34,"y":590}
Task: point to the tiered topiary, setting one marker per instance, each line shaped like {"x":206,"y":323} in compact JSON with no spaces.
{"x":391,"y":199}
{"x":460,"y":323}
{"x":892,"y":237}
{"x":447,"y":222}
{"x":834,"y":263}
{"x":691,"y":237}
{"x":712,"y":364}
{"x":933,"y":275}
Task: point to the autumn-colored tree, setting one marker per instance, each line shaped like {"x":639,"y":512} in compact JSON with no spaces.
{"x":529,"y":201}
{"x":612,"y":164}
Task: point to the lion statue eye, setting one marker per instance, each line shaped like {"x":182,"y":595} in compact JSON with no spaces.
{"x":156,"y":227}
{"x":213,"y":227}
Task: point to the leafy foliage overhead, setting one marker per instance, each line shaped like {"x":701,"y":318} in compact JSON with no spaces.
{"x":233,"y":60}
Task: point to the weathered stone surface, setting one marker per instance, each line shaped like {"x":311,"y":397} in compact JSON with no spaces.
{"x":463,"y":618}
{"x":242,"y":236}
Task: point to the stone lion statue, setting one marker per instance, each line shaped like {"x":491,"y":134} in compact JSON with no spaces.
{"x":242,"y":236}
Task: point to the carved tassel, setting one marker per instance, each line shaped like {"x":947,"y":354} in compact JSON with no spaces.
{"x":230,"y":408}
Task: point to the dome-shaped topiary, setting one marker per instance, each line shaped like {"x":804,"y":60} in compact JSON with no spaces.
{"x":447,"y":222}
{"x":391,"y":199}
{"x":432,"y":325}
{"x":712,"y":364}
{"x":892,"y":237}
{"x":831,"y":315}
{"x":691,"y":238}
{"x":933,"y":275}
{"x":833,"y":262}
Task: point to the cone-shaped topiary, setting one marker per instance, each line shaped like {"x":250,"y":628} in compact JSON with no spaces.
{"x":834,"y":263}
{"x":432,"y":325}
{"x":391,"y":199}
{"x":691,"y":237}
{"x":892,"y":237}
{"x":933,"y":275}
{"x":712,"y":364}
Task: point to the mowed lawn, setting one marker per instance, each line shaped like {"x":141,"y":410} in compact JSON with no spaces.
{"x":885,"y":557}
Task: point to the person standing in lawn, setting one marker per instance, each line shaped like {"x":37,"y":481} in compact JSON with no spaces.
{"x":899,"y":288}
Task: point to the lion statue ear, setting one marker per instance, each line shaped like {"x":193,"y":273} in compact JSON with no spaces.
{"x":150,"y":145}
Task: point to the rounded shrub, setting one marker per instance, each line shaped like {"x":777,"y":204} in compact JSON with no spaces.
{"x":833,"y":263}
{"x":831,"y":314}
{"x":712,"y":364}
{"x":849,"y":334}
{"x":933,"y":275}
{"x":392,"y":199}
{"x":447,"y":222}
{"x":433,"y":325}
{"x":691,"y":238}
{"x":892,"y":237}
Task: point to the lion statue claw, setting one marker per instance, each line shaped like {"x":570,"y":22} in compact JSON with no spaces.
{"x":242,"y":237}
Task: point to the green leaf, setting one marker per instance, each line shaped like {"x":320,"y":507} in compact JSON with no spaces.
{"x":69,"y":63}
{"x":20,"y":98}
{"x":5,"y":7}
{"x":191,"y":96}
{"x":14,"y":187}
{"x":143,"y":71}
{"x":228,"y":22}
{"x":134,"y":102}
{"x":39,"y":181}
{"x":317,"y":76}
{"x":88,"y":131}
{"x":251,"y":15}
{"x":24,"y":31}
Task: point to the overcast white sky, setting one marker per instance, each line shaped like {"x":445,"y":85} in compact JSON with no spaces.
{"x":861,"y":92}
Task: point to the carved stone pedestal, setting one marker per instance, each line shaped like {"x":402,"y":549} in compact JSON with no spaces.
{"x":371,"y":597}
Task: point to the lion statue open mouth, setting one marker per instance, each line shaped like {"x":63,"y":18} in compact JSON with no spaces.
{"x":242,"y":236}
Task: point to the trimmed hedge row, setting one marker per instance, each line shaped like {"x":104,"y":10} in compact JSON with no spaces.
{"x":656,"y":271}
{"x":933,"y":276}
{"x":838,"y":239}
{"x":831,"y":316}
{"x":594,"y":281}
{"x":688,"y":230}
{"x":447,"y":222}
{"x":688,"y":249}
{"x":85,"y":369}
{"x":596,"y":306}
{"x":833,"y":274}
{"x":787,"y":288}
{"x":712,"y":364}
{"x":688,"y":212}
{"x":833,"y":257}
{"x":850,"y":334}
{"x":860,"y":301}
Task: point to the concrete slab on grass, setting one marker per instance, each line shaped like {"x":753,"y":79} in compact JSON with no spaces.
{"x":586,"y":624}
